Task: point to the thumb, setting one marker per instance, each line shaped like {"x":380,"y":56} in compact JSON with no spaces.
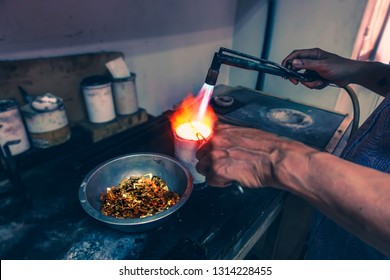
{"x":309,"y":64}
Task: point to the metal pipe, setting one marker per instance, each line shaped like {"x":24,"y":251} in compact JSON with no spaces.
{"x":267,"y":40}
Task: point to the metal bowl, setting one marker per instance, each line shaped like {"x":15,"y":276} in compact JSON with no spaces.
{"x":112,"y":172}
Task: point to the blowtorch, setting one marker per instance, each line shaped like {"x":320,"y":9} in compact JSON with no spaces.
{"x":245,"y":61}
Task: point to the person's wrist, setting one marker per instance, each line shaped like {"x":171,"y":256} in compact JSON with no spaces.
{"x":289,"y":163}
{"x":365,"y":71}
{"x":350,"y":73}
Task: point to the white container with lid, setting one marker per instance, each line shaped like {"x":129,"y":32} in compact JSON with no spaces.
{"x":46,"y":121}
{"x":98,"y":98}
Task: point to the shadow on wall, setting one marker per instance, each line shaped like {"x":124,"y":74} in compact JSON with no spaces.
{"x":50,"y":24}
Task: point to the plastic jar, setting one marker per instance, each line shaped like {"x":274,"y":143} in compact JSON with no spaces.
{"x":98,"y":98}
{"x":125,"y":95}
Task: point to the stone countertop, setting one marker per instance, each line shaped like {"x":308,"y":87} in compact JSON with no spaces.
{"x":215,"y":223}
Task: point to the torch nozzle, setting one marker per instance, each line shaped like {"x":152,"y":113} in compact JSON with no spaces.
{"x":212,"y":76}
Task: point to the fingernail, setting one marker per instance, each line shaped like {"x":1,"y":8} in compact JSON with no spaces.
{"x":297,"y":62}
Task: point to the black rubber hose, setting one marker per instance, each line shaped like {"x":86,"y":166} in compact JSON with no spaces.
{"x":356,"y":109}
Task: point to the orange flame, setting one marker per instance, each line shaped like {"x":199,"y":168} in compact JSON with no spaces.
{"x":188,"y":112}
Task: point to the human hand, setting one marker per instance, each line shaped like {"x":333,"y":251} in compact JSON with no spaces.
{"x":245,"y":155}
{"x":330,"y":67}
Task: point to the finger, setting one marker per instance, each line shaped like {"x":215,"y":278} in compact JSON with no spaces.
{"x":295,"y":82}
{"x":305,"y":53}
{"x":214,"y":182}
{"x":203,"y":150}
{"x":203,"y":165}
{"x":315,"y":84}
{"x":308,"y":64}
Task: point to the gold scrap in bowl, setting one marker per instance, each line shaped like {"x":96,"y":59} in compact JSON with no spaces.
{"x":121,"y":169}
